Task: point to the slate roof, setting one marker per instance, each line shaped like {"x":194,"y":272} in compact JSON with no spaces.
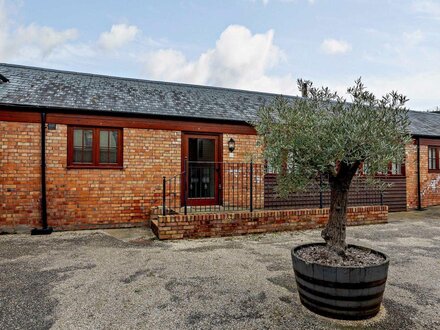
{"x":31,"y":86}
{"x":73,"y":90}
{"x":424,"y":123}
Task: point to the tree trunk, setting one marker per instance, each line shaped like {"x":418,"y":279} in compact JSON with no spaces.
{"x":334,"y":231}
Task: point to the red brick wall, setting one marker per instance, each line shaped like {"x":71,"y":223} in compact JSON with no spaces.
{"x":238,"y":223}
{"x":247,"y":149}
{"x":411,"y":176}
{"x":429,"y":182}
{"x":90,"y":198}
{"x":108,"y":197}
{"x":19,"y":176}
{"x":82,"y":198}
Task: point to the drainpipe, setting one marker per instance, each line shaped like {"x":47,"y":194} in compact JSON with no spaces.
{"x":419,"y":194}
{"x":45,"y":230}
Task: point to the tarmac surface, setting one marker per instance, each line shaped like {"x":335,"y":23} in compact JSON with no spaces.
{"x":127,"y":279}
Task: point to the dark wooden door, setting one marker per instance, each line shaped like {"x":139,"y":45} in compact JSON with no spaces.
{"x":200,"y":160}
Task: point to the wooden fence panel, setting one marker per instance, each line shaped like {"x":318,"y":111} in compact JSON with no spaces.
{"x":360,"y":194}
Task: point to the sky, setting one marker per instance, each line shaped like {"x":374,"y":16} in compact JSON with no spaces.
{"x":262,"y":45}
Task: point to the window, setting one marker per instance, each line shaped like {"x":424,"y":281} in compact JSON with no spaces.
{"x":433,"y":163}
{"x":365,"y":168}
{"x":396,"y":169}
{"x":91,"y":147}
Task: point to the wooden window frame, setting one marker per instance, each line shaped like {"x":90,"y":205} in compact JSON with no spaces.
{"x":437,"y":161}
{"x":389,"y":171}
{"x":402,"y":170}
{"x":95,"y":148}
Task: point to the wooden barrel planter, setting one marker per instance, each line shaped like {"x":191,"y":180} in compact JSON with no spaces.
{"x":348,"y":293}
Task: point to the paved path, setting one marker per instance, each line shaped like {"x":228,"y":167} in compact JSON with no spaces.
{"x":125,"y":279}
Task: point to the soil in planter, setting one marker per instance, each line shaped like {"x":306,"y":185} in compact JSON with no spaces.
{"x":354,"y":257}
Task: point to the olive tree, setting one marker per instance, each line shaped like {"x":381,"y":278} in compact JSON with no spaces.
{"x":325,"y":133}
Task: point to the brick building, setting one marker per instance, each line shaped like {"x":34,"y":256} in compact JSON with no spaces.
{"x":108,"y":143}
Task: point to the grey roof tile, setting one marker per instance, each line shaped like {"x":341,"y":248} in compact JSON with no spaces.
{"x":73,"y":90}
{"x":424,"y":123}
{"x":32,"y":86}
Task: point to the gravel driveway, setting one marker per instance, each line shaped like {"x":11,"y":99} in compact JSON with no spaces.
{"x":125,"y":279}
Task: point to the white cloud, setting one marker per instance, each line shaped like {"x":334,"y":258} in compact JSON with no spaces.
{"x":421,"y":88}
{"x":118,"y":36}
{"x":427,"y":8}
{"x":29,"y":42}
{"x":42,"y":38}
{"x":333,"y":46}
{"x":240,"y":59}
{"x":409,"y":62}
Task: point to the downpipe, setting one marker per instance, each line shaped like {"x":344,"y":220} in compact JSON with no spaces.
{"x":45,"y":230}
{"x":419,"y":193}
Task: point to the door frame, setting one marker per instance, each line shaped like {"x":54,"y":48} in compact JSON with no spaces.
{"x":218,"y":181}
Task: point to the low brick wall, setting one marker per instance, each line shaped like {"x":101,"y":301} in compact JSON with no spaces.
{"x":240,"y":223}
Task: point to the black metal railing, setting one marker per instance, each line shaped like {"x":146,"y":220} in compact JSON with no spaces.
{"x":230,"y":186}
{"x":214,"y":186}
{"x":171,"y":194}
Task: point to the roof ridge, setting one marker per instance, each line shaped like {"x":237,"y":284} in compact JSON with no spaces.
{"x":227,"y":89}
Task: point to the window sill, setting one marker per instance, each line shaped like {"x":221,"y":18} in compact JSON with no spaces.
{"x":97,"y":167}
{"x":434,"y":171}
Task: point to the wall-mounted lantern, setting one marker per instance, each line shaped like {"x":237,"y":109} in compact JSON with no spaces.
{"x":231,"y":145}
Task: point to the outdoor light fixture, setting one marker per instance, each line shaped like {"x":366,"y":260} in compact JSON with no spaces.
{"x":231,"y":145}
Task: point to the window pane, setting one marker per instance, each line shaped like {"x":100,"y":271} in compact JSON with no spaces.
{"x":82,"y":145}
{"x":77,"y":155}
{"x":108,"y":155}
{"x":396,"y":168}
{"x":103,"y":139}
{"x":87,"y":155}
{"x":103,"y":156}
{"x":77,"y":138}
{"x":432,"y":161}
{"x":113,"y":156}
{"x":365,"y":169}
{"x":108,"y":142}
{"x":113,"y":139}
{"x":88,"y":138}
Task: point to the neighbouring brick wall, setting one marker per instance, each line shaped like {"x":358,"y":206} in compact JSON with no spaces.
{"x":429,"y":182}
{"x":20,"y":188}
{"x":411,"y":175}
{"x":239,"y":223}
